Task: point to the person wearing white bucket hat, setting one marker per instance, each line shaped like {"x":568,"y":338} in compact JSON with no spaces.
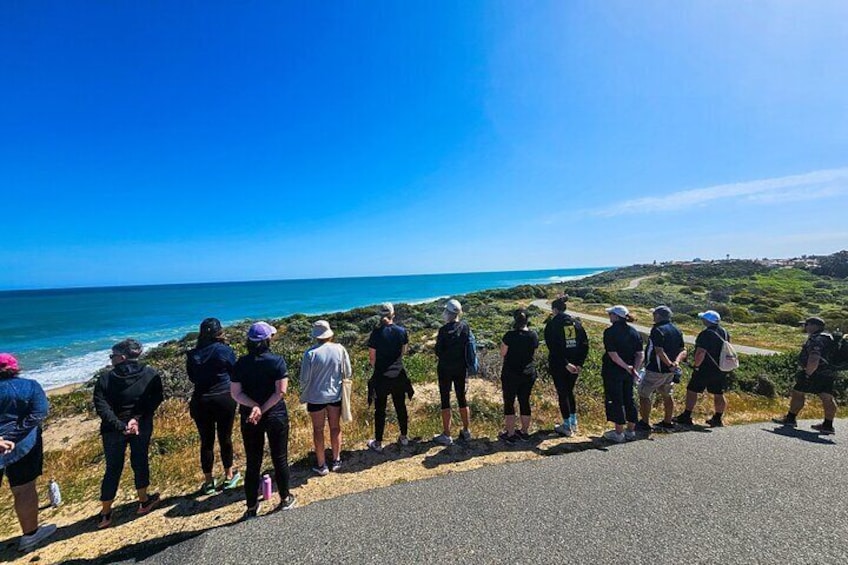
{"x":621,"y":362}
{"x":322,"y":369}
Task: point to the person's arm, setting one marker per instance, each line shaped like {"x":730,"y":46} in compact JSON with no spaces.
{"x":812,"y":363}
{"x":305,"y":373}
{"x":638,"y":359}
{"x":190,"y":369}
{"x":582,"y":347}
{"x":439,"y":343}
{"x":37,"y":407}
{"x":663,"y":357}
{"x":104,"y":409}
{"x":347,"y":368}
{"x":504,"y":349}
{"x":372,"y":357}
{"x":239,"y":396}
{"x":700,"y":355}
{"x":279,"y":391}
{"x":614,"y":356}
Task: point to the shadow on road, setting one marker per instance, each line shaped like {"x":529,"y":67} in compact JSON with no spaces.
{"x":803,"y":435}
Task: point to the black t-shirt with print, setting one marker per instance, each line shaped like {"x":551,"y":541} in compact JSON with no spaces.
{"x":521,"y":346}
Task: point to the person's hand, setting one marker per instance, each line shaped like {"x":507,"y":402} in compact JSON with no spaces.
{"x":572,"y":368}
{"x":132,"y":428}
{"x":255,"y":415}
{"x":6,"y":446}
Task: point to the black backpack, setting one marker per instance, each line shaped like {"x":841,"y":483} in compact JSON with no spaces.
{"x":839,"y":350}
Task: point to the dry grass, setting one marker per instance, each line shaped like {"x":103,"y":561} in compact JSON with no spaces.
{"x":175,"y":467}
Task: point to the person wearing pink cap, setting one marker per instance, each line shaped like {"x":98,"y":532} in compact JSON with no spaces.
{"x":23,"y":407}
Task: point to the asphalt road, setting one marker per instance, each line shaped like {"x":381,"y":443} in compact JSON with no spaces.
{"x":746,"y":349}
{"x":734,"y":495}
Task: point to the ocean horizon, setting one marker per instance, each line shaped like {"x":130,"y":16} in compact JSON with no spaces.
{"x":62,"y":336}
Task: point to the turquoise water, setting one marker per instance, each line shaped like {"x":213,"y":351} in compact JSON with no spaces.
{"x":62,"y":336}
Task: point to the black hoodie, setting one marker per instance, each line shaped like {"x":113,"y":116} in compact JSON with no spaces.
{"x":130,"y":390}
{"x":209,"y":369}
{"x":566,"y":340}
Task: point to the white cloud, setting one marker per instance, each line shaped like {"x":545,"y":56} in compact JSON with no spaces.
{"x":810,"y":186}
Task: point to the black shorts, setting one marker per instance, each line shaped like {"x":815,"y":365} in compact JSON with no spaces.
{"x":27,"y":469}
{"x":318,"y":407}
{"x":714,"y":383}
{"x":817,"y":383}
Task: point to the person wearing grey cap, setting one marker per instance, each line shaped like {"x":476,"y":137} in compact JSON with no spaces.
{"x":387,"y":345}
{"x":620,"y":367}
{"x":451,"y":343}
{"x":816,"y":375}
{"x":663,"y":355}
{"x":706,"y":373}
{"x":322,"y":369}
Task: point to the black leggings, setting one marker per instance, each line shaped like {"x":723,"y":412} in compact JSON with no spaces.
{"x":564,"y":382}
{"x":276,"y":427}
{"x":214,"y":414}
{"x":397,"y":390}
{"x":457,"y":379}
{"x":516,"y":387}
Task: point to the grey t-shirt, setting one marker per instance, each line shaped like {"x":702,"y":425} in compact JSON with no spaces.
{"x":321,"y":372}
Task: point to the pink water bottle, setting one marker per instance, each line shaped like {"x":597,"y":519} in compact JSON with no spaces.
{"x":266,"y":486}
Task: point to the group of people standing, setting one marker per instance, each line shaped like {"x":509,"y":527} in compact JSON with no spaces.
{"x":255,"y":386}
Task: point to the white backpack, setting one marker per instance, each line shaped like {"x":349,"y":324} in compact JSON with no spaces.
{"x":728,"y":358}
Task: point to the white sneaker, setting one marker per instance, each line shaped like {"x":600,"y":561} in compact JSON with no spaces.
{"x":42,"y":533}
{"x":375,"y":445}
{"x":443,"y":439}
{"x":403,"y":440}
{"x":562,"y":430}
{"x":629,"y":435}
{"x":614,"y":436}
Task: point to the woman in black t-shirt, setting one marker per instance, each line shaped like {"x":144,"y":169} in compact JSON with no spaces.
{"x":622,"y":360}
{"x":260,"y":380}
{"x":518,"y":375}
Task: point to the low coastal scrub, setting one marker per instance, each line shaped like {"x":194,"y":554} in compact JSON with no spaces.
{"x":749,"y":294}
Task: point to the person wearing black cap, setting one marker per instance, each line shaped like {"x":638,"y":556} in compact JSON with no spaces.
{"x":568,"y":347}
{"x":212,"y":407}
{"x":815,"y":376}
{"x":125,"y":399}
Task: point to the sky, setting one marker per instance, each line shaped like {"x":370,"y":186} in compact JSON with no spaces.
{"x":164,"y":142}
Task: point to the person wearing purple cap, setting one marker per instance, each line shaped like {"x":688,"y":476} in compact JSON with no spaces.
{"x":23,"y":407}
{"x":259,"y":382}
{"x":706,"y":373}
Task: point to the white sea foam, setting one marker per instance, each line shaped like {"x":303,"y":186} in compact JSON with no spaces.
{"x":72,"y":370}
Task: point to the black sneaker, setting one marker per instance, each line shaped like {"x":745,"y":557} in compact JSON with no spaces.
{"x":522,"y":436}
{"x":664,"y":426}
{"x":642,"y":426}
{"x":789,"y":423}
{"x":250,"y":513}
{"x":507,"y":438}
{"x":288,"y":503}
{"x":683,"y":420}
{"x":824,"y":430}
{"x":714,"y":422}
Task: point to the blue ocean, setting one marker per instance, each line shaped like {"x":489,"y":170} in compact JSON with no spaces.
{"x":62,"y":336}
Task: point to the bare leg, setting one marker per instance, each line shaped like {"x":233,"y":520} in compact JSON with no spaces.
{"x":796,"y":401}
{"x":645,"y":409}
{"x":334,"y":415}
{"x":26,"y":506}
{"x":318,"y":435}
{"x":446,"y":421}
{"x":668,"y":408}
{"x":691,"y":400}
{"x":829,"y":405}
{"x":142,"y":494}
{"x":525,"y":424}
{"x":720,"y":403}
{"x":509,"y":424}
{"x":465,"y":414}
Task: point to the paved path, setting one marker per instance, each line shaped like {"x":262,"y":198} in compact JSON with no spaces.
{"x":739,"y":495}
{"x":746,"y":349}
{"x":634,"y":284}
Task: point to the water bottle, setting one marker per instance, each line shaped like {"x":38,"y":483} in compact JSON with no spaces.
{"x":639,"y":376}
{"x":678,"y":372}
{"x":54,"y":493}
{"x":266,"y":486}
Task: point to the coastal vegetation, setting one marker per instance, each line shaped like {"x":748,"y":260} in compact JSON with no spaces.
{"x":760,"y":303}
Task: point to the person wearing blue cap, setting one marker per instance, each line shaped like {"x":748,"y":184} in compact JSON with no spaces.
{"x":706,"y":373}
{"x":259,"y":382}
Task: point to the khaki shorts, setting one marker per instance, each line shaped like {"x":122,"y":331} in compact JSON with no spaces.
{"x":655,"y":382}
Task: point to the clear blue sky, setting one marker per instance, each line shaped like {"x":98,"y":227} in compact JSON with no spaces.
{"x":147,"y":142}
